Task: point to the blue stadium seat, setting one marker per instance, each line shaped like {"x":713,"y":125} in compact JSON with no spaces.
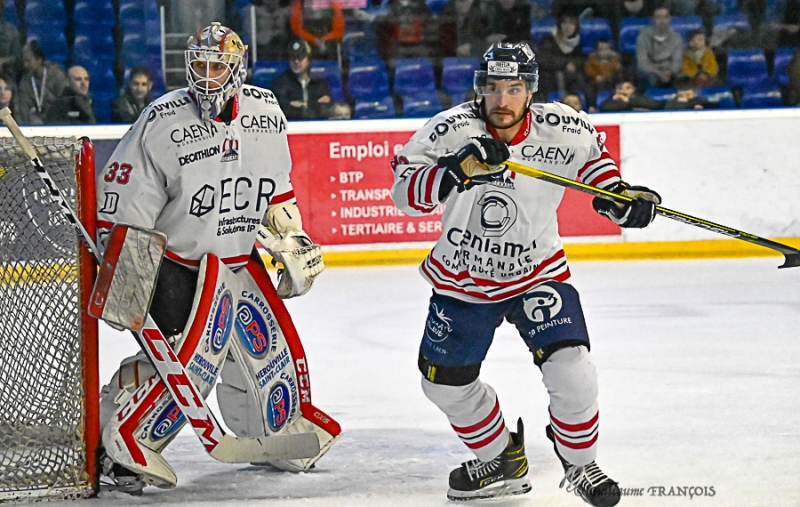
{"x":103,"y":80}
{"x":133,"y":47}
{"x":10,"y":12}
{"x":603,"y":95}
{"x":413,"y":75}
{"x":684,"y":24}
{"x":729,"y":6}
{"x":780,"y":72}
{"x":53,"y":43}
{"x":40,"y":13}
{"x":374,"y":109}
{"x":541,"y":27}
{"x":722,"y":95}
{"x":738,"y":21}
{"x":131,"y":18}
{"x":102,"y":104}
{"x":457,"y":77}
{"x":93,"y":13}
{"x":421,"y":105}
{"x":747,"y":68}
{"x":629,"y":33}
{"x":765,"y":95}
{"x":264,"y":71}
{"x":436,"y":5}
{"x":662,"y":94}
{"x":332,"y":73}
{"x":592,"y":30}
{"x":368,"y":80}
{"x":82,"y":50}
{"x":357,"y":45}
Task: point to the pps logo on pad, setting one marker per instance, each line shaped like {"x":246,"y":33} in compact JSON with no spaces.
{"x":223,"y":323}
{"x":170,"y":419}
{"x":278,"y":406}
{"x":252,"y":330}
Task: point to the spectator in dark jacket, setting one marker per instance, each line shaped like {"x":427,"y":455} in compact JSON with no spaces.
{"x":75,"y":105}
{"x":508,"y":21}
{"x":8,"y":90}
{"x":40,"y":85}
{"x":462,"y":28}
{"x":301,"y":95}
{"x":625,"y":98}
{"x":10,"y":49}
{"x":128,"y":106}
{"x":560,"y":58}
{"x":686,"y":97}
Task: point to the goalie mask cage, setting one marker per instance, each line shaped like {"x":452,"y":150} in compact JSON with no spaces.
{"x":49,"y":429}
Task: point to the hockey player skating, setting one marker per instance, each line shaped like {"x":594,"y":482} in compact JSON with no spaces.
{"x":500,"y":258}
{"x":209,"y":165}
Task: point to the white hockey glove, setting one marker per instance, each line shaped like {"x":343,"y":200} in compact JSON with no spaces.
{"x":298,"y":259}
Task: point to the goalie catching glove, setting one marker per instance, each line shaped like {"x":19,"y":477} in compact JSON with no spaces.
{"x":474,"y":164}
{"x":298,"y":259}
{"x":637,"y":213}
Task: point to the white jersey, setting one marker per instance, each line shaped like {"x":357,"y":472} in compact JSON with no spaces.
{"x":206,"y":185}
{"x":500,"y":239}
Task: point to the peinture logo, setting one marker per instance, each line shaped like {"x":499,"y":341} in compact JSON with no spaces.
{"x":542,"y":304}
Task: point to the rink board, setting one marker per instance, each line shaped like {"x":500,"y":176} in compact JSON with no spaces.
{"x":736,"y":168}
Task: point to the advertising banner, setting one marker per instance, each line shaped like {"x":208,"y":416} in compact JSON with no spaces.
{"x":343,"y":182}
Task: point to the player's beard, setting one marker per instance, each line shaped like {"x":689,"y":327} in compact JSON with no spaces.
{"x":516,"y":117}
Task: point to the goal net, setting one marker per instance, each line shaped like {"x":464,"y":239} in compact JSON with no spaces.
{"x":48,"y":345}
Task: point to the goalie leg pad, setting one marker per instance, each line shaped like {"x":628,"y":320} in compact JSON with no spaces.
{"x":265,"y":388}
{"x":148,"y":419}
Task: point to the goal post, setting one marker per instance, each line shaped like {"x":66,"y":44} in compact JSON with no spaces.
{"x":49,"y":386}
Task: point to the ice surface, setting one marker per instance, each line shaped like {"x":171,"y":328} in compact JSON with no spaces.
{"x":699,"y":365}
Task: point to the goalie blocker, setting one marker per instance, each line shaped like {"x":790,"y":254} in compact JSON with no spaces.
{"x":238,"y":325}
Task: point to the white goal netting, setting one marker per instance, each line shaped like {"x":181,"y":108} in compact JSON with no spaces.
{"x":42,"y":445}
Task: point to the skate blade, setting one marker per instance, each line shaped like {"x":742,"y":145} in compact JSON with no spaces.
{"x":497,"y":490}
{"x":131,"y":488}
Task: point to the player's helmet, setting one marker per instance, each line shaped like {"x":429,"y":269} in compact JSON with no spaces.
{"x":216,"y":67}
{"x":504,"y":60}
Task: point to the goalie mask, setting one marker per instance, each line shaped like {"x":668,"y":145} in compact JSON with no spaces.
{"x":216,"y":67}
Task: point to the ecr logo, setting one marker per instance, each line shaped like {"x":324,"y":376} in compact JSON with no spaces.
{"x":542,"y":304}
{"x":498,"y":213}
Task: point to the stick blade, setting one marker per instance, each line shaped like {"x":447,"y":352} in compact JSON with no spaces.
{"x":262,"y":449}
{"x":792,"y":260}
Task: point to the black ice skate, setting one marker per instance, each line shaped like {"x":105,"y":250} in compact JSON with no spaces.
{"x":588,"y":482}
{"x":504,"y":475}
{"x":118,"y":478}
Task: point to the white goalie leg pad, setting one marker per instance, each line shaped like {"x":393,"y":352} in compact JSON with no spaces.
{"x":147,"y":420}
{"x":571,"y":381}
{"x":264,"y":388}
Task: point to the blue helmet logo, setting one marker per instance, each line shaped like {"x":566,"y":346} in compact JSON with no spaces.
{"x":252,"y":330}
{"x":279,"y":406}
{"x":221,"y":329}
{"x":170,"y":419}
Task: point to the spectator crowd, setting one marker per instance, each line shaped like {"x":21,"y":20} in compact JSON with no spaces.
{"x":336,"y":59}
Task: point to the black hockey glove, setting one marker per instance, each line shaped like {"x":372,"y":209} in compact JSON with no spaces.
{"x":635,"y":214}
{"x":475,"y":164}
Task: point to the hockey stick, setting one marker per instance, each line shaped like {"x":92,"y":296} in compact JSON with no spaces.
{"x":218,"y":444}
{"x":792,"y":255}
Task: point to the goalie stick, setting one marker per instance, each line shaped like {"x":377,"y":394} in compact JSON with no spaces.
{"x":791,"y":255}
{"x":217,"y":443}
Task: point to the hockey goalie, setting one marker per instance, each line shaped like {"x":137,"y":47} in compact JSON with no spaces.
{"x":208,"y":167}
